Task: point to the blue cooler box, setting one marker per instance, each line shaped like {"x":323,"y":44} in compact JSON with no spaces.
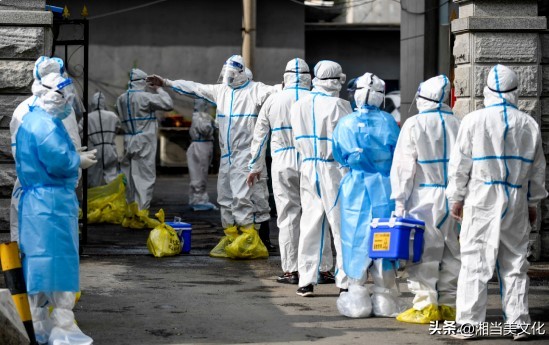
{"x":396,"y":238}
{"x":184,"y":231}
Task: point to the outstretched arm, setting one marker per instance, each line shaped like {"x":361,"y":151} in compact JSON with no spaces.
{"x":188,"y":88}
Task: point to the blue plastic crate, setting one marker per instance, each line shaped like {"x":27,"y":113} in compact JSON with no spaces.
{"x":396,"y":238}
{"x":184,"y":231}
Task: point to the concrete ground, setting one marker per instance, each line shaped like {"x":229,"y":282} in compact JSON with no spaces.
{"x":130,"y":297}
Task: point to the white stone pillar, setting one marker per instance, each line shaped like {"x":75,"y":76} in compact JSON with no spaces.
{"x":25,"y":34}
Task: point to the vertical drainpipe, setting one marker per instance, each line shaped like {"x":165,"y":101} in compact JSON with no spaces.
{"x":248,"y":32}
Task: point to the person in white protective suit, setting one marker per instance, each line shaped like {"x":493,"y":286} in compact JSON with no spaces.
{"x":137,"y":110}
{"x":364,"y":142}
{"x":261,"y":192}
{"x":496,"y":180}
{"x":42,"y":67}
{"x":419,"y":177}
{"x":313,"y":119}
{"x":102,"y":128}
{"x":199,"y":157}
{"x":274,"y":121}
{"x":47,"y":164}
{"x":238,"y":101}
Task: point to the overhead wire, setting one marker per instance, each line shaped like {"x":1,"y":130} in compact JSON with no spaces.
{"x":128,"y":9}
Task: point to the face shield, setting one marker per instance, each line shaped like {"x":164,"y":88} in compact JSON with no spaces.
{"x":232,"y":73}
{"x":230,"y":76}
{"x":74,"y":100}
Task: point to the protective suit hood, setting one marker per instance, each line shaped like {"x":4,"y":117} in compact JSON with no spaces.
{"x":200,"y":106}
{"x":98,"y":102}
{"x":42,"y":67}
{"x":501,"y":86}
{"x":52,"y":95}
{"x":233,"y":73}
{"x":297,"y":74}
{"x":137,"y":79}
{"x":45,"y":65}
{"x":370,"y":90}
{"x":329,"y":77}
{"x":433,"y":93}
{"x":249,"y":73}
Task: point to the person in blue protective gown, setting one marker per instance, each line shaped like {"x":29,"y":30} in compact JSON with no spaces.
{"x":47,"y":166}
{"x":364,"y":141}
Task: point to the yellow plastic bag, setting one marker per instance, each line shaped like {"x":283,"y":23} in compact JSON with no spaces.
{"x":138,"y":219}
{"x":247,"y":246}
{"x":447,"y":313}
{"x":163,"y":240}
{"x":231,"y":233}
{"x":424,"y":316}
{"x":107,"y":204}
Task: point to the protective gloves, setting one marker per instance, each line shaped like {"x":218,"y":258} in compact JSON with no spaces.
{"x":155,"y":80}
{"x":399,"y":209}
{"x":252,"y":178}
{"x":87,"y":158}
{"x":457,"y":211}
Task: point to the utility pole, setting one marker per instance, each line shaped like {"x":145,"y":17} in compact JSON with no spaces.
{"x":248,"y":32}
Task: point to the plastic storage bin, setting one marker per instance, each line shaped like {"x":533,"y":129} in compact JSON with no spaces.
{"x":396,"y":238}
{"x":184,"y":231}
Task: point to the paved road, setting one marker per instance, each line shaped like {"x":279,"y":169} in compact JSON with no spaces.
{"x":200,"y":300}
{"x":129,"y":297}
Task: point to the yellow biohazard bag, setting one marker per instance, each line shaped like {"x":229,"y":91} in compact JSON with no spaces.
{"x":231,"y":233}
{"x":107,"y":204}
{"x":163,"y":240}
{"x":247,"y":246}
{"x":138,"y":219}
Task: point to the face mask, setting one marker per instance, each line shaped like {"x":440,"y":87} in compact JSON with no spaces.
{"x":65,"y":112}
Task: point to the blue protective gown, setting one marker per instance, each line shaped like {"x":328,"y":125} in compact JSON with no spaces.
{"x":364,"y":141}
{"x":47,"y":166}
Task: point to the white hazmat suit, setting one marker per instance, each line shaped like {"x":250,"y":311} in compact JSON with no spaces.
{"x":137,"y":110}
{"x":313,"y":120}
{"x":497,"y":170}
{"x":274,"y":121}
{"x":102,"y":128}
{"x":199,"y":156}
{"x":419,"y":177}
{"x":42,"y":67}
{"x":238,"y":101}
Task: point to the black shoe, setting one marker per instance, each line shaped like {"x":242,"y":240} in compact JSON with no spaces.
{"x":343,"y":290}
{"x":305,"y":291}
{"x":264,"y":235}
{"x":271,"y":248}
{"x":288,"y":278}
{"x":326,"y":278}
